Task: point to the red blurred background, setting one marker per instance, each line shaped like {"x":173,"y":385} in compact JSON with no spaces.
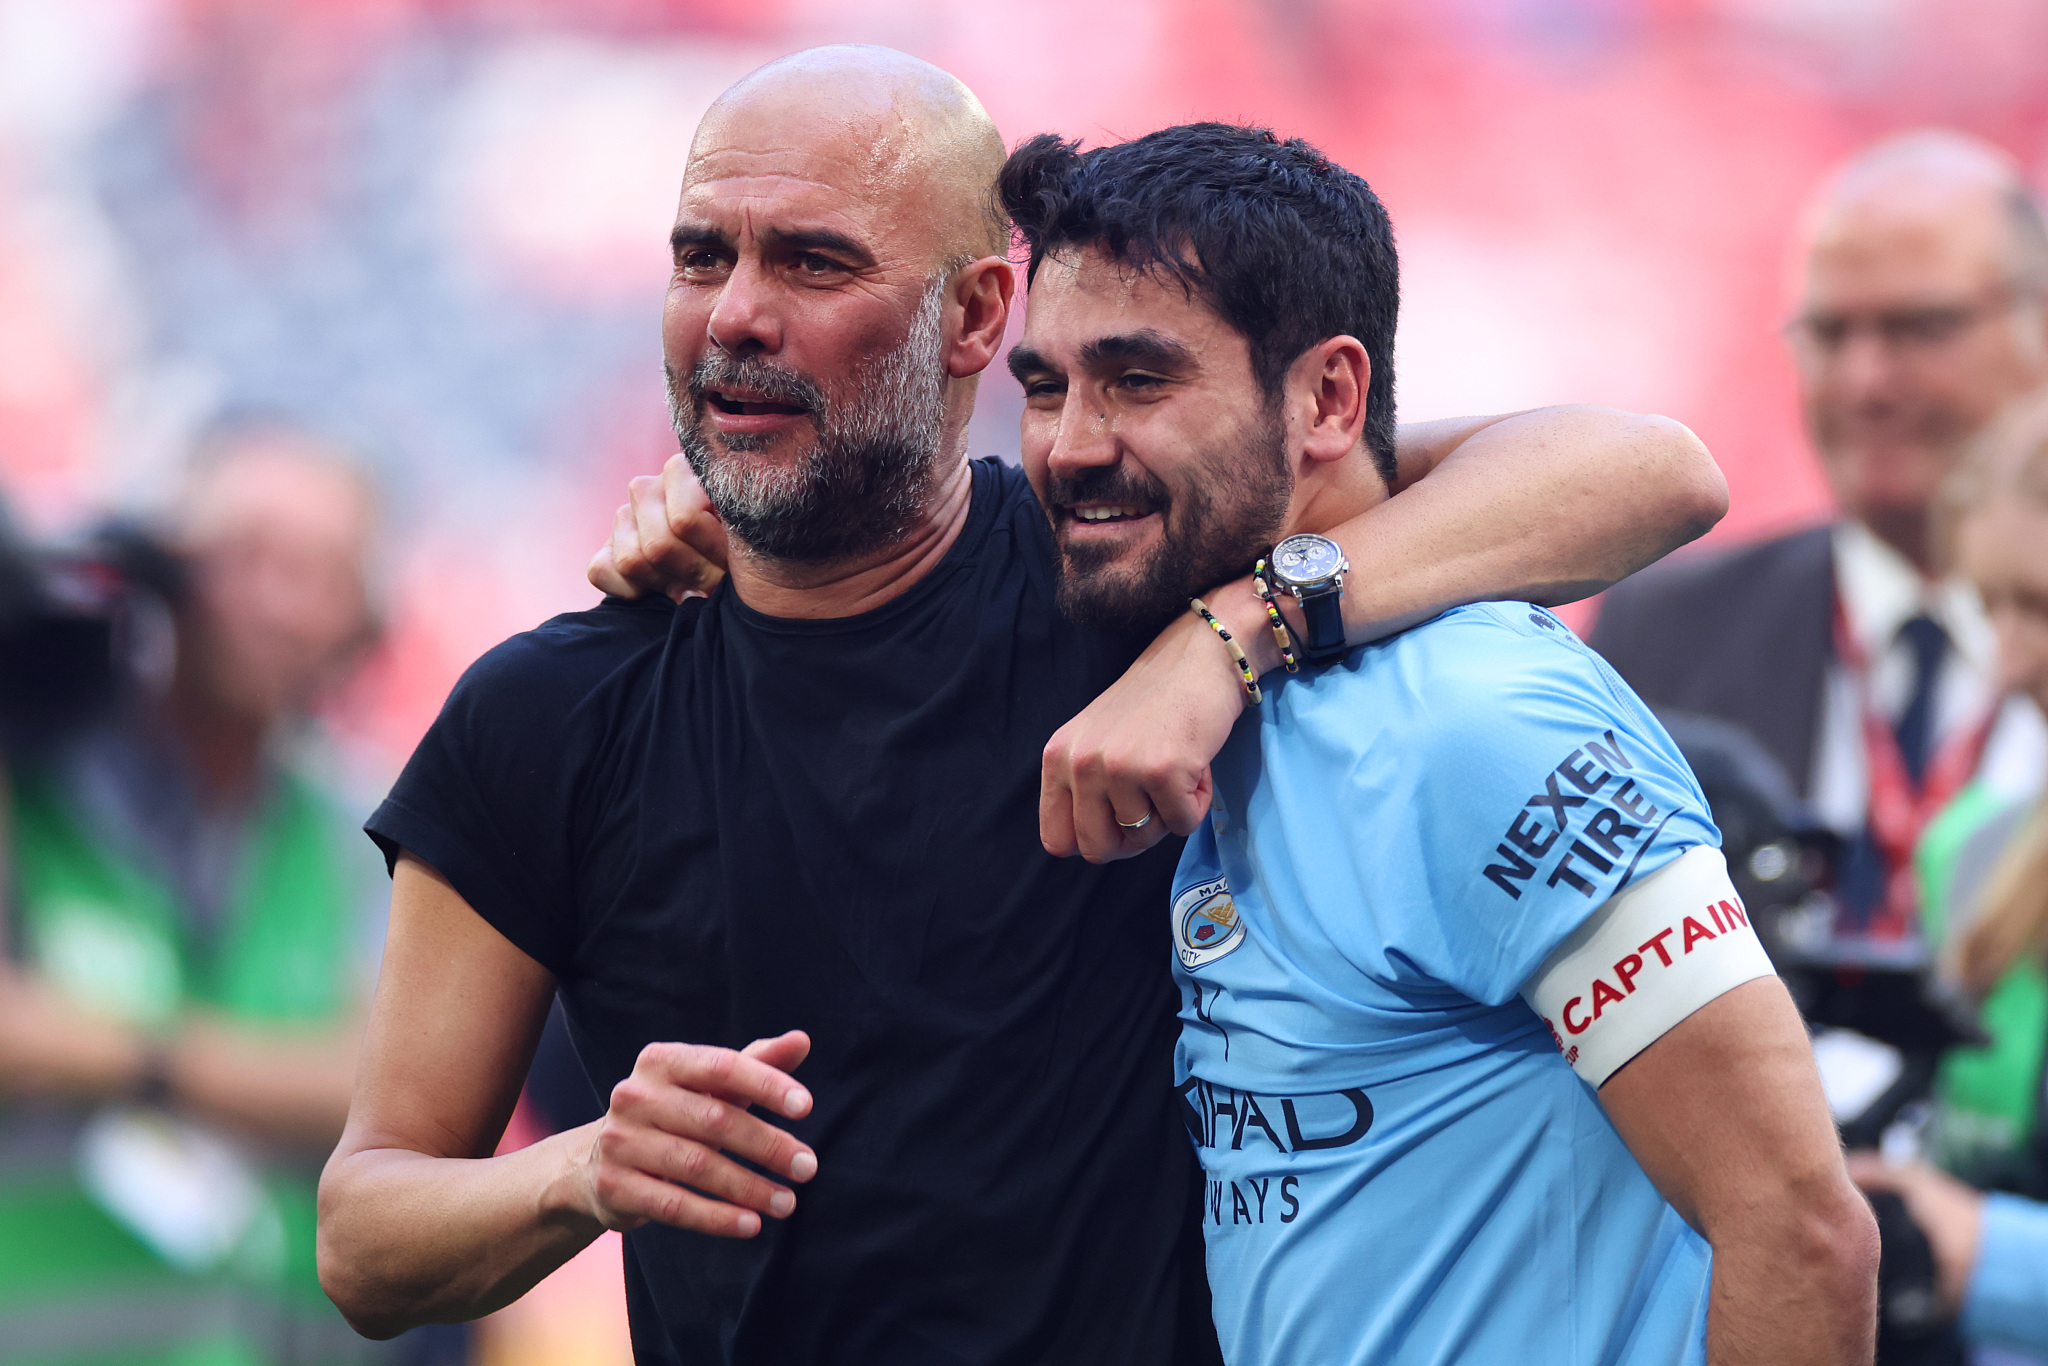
{"x":435,"y":229}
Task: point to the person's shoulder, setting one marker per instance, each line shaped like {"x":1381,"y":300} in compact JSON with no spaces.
{"x":569,"y":657}
{"x":1013,"y":503}
{"x":1482,"y":652}
{"x":1007,"y":480}
{"x":1487,"y":673}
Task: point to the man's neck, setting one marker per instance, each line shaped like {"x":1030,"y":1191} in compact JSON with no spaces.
{"x":224,"y":747}
{"x":1327,"y":496}
{"x":1910,"y":535}
{"x":781,"y":588}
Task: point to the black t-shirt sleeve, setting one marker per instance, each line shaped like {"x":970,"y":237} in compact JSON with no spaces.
{"x":495,"y":793}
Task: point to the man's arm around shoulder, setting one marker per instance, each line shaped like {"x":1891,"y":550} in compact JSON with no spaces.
{"x":1725,"y":1114}
{"x":419,"y":1223}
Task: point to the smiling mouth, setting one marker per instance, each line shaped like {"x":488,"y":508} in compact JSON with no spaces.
{"x":746,"y":405}
{"x":1100,"y":514}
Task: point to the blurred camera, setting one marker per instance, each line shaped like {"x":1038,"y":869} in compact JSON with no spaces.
{"x":79,"y":628}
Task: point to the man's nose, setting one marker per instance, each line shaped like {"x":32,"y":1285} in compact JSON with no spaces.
{"x":1864,"y":369}
{"x":1086,"y":439}
{"x":745,"y":318}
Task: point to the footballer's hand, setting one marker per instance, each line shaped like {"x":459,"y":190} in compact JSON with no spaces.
{"x":665,"y":539}
{"x":1142,"y":747}
{"x":660,"y":1152}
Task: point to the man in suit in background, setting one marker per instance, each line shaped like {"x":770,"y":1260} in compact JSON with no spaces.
{"x":1849,"y":650}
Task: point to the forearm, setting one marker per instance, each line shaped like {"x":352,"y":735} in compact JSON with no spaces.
{"x":407,"y":1238}
{"x":1725,"y":1114}
{"x":1547,"y":506}
{"x":1795,"y":1284}
{"x":271,"y":1085}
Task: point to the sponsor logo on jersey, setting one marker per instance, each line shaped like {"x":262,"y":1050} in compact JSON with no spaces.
{"x":1206,"y":924}
{"x":1221,"y":1119}
{"x":1591,"y":822}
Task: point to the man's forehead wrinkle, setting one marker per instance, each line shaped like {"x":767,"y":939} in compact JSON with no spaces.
{"x":902,"y":132}
{"x":872,"y":180}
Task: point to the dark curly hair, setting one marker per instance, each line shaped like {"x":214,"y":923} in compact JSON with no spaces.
{"x":1287,"y":246}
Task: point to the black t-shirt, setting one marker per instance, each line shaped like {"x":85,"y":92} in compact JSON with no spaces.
{"x":714,"y":825}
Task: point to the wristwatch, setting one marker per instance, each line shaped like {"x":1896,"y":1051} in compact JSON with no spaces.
{"x":1312,"y":568}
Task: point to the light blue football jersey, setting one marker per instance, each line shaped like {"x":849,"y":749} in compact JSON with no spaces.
{"x":1401,"y":1167}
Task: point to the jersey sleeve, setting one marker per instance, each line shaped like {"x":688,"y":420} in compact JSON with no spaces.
{"x":1539,"y":789}
{"x":499,"y":787}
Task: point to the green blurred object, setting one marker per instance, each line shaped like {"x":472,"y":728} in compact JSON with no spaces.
{"x":1987,"y":1100}
{"x":79,"y":1285}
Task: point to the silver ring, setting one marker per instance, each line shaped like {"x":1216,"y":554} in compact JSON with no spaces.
{"x":1138,"y":824}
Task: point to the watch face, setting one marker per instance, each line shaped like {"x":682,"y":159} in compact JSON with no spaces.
{"x":1307,"y":559}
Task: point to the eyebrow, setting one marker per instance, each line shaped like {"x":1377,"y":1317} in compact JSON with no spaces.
{"x":820,"y":239}
{"x":1026,"y":360}
{"x":688,"y":235}
{"x":1148,"y":348}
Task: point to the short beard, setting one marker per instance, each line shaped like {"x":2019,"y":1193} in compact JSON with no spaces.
{"x":1225,"y":516}
{"x":864,"y":479}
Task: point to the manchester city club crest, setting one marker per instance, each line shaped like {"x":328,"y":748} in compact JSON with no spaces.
{"x":1206,"y":924}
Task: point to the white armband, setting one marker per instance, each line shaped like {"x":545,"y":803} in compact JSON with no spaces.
{"x":1644,"y":961}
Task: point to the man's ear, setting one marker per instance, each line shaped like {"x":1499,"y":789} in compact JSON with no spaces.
{"x":980,"y":297}
{"x":1328,"y":382}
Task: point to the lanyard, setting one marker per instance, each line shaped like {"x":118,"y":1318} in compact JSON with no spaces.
{"x":1900,"y":809}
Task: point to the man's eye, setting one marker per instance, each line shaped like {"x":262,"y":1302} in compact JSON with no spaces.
{"x":1141,"y":383}
{"x":1924,"y":326}
{"x":812,"y":263}
{"x":1043,"y":388}
{"x":699,"y":260}
{"x":1826,"y":330}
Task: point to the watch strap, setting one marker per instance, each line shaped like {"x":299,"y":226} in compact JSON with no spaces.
{"x":1324,"y":615}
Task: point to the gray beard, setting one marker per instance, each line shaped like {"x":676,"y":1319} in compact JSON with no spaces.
{"x":865,"y":478}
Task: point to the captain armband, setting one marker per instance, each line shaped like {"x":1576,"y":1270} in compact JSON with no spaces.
{"x":1644,"y":961}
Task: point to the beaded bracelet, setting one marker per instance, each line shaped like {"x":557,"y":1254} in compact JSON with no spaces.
{"x":1252,"y":695}
{"x":1280,"y":635}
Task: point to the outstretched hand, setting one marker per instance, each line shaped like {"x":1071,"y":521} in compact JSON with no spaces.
{"x":665,"y":539}
{"x":1142,"y":748}
{"x":660,"y":1152}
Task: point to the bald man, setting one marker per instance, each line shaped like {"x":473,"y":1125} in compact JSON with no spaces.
{"x":796,"y":822}
{"x":1850,"y":650}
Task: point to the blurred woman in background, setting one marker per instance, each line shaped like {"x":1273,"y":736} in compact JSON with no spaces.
{"x":1983,"y":867}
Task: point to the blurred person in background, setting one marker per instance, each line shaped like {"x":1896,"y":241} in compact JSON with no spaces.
{"x":1855,"y":656}
{"x":1984,"y":884}
{"x":189,"y":948}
